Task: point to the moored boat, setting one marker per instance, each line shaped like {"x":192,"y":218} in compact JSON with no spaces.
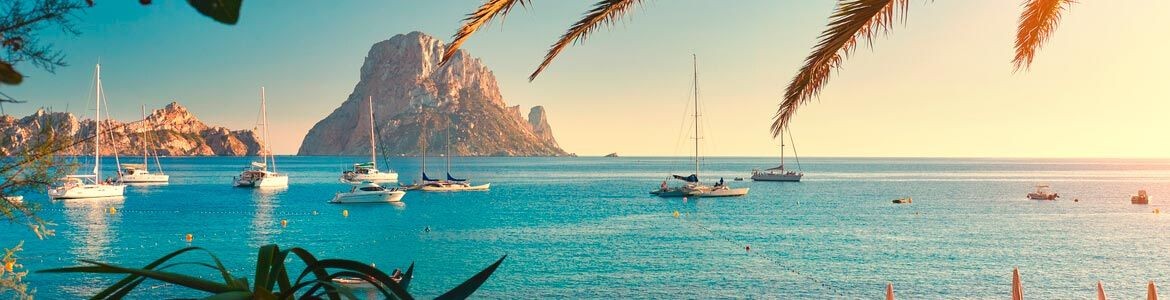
{"x":1043,"y":192}
{"x":779,"y":173}
{"x":1140,"y":198}
{"x":83,"y":186}
{"x":140,"y":173}
{"x":369,"y":192}
{"x":257,"y":174}
{"x":368,"y":171}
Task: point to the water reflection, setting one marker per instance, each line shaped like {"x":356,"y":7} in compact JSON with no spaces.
{"x":265,"y":201}
{"x":92,"y":223}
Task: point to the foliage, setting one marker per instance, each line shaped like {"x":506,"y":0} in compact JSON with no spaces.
{"x":12,"y":275}
{"x":33,"y":169}
{"x":272,"y":280}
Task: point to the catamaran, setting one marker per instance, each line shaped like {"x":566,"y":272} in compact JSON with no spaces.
{"x":368,"y":171}
{"x":90,"y":185}
{"x":779,"y":173}
{"x":257,"y":174}
{"x":140,"y":173}
{"x":692,"y":186}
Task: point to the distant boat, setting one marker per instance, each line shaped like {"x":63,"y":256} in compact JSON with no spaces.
{"x":1043,"y":192}
{"x":369,"y":192}
{"x":451,"y":184}
{"x":692,"y":186}
{"x":779,"y":173}
{"x":140,"y":173}
{"x":906,"y":200}
{"x":257,"y":174}
{"x":1141,"y":198}
{"x":369,"y":171}
{"x":90,"y":185}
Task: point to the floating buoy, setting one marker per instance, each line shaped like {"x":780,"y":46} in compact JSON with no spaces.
{"x":314,"y":213}
{"x":190,"y":237}
{"x":676,"y":214}
{"x":748,"y":248}
{"x":427,"y":229}
{"x":283,"y":223}
{"x":345,"y":213}
{"x":113,"y":210}
{"x":1157,"y":211}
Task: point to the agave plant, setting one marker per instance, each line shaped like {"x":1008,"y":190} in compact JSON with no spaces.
{"x":852,"y":22}
{"x":272,"y":281}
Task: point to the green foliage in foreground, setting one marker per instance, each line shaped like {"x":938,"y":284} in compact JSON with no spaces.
{"x":272,"y":279}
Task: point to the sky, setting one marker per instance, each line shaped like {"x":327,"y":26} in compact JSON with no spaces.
{"x":940,"y":85}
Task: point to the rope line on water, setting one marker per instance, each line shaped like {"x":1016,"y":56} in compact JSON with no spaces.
{"x":156,"y":211}
{"x":758,"y":253}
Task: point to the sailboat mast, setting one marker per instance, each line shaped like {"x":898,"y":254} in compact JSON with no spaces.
{"x":448,"y":155}
{"x":781,"y":150}
{"x":265,"y":152}
{"x":422,"y":127}
{"x":145,"y":160}
{"x":695,"y":60}
{"x":373,"y":157}
{"x":97,"y":129}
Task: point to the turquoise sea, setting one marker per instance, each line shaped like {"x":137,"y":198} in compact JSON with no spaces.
{"x":586,"y":228}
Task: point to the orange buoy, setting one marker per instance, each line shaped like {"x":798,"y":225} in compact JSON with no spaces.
{"x":283,"y":223}
{"x":190,"y":237}
{"x":113,"y":210}
{"x":345,"y":213}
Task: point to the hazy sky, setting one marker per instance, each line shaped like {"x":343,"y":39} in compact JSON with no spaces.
{"x":939,"y":86}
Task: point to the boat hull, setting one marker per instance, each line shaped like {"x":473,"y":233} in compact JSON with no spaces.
{"x":455,"y":188}
{"x":777,"y":177}
{"x":1035,"y":196}
{"x":368,"y":197}
{"x":146,"y":178}
{"x":728,"y":192}
{"x":266,"y":182}
{"x":670,"y":193}
{"x":354,"y":178}
{"x":87,"y":191}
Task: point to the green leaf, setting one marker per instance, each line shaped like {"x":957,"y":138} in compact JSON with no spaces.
{"x":241,"y":295}
{"x":405,"y":283}
{"x":264,"y":266}
{"x":468,"y":287}
{"x":224,"y":11}
{"x":179,"y":279}
{"x":9,"y":75}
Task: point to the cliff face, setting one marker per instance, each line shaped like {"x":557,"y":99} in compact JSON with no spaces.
{"x":416,"y":104}
{"x":172,"y":131}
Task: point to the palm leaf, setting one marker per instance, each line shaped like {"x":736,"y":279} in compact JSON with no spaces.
{"x":604,"y":12}
{"x":477,"y":19}
{"x":223,"y":11}
{"x":175,"y":278}
{"x":1037,"y":23}
{"x":852,"y":21}
{"x":468,"y":287}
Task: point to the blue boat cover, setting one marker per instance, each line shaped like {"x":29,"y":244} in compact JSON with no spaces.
{"x":692,"y":178}
{"x":425,"y":177}
{"x":449,"y":178}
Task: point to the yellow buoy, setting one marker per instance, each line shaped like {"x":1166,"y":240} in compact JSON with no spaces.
{"x":190,"y":237}
{"x":676,"y":214}
{"x":283,"y":223}
{"x":345,"y":213}
{"x":113,"y":210}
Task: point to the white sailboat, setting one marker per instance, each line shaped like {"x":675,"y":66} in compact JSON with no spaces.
{"x":451,"y":184}
{"x":140,"y":173}
{"x":363,"y":172}
{"x":257,"y":174}
{"x":82,"y":186}
{"x":692,"y":186}
{"x":779,"y":173}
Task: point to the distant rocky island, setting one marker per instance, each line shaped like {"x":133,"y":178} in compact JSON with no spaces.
{"x":416,"y":103}
{"x":612,"y":155}
{"x":172,"y":131}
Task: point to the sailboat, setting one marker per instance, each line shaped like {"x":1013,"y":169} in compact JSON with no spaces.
{"x":779,"y":173}
{"x":140,"y":173}
{"x":692,"y":186}
{"x":257,"y":174}
{"x":451,"y":184}
{"x":81,"y":186}
{"x":368,"y":172}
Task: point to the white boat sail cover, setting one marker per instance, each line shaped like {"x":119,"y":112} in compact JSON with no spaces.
{"x":258,"y":164}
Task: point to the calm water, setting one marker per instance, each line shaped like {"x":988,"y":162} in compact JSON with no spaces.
{"x":586,"y":228}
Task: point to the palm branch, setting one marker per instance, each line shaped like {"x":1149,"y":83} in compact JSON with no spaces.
{"x":477,"y":19}
{"x":604,"y":12}
{"x":852,"y":20}
{"x":1037,"y":23}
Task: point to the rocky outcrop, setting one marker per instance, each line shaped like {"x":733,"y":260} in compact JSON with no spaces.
{"x":417,"y":102}
{"x":171,"y":131}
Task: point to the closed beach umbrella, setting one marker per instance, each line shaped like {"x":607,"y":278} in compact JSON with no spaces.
{"x":890,"y":291}
{"x":1100,"y":291}
{"x":1017,"y":287}
{"x":1152,"y":293}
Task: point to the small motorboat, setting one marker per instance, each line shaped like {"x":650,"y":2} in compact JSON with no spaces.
{"x":369,"y":192}
{"x":1141,"y":198}
{"x":402,"y":279}
{"x":14,"y":199}
{"x":906,"y":200}
{"x":1043,"y":192}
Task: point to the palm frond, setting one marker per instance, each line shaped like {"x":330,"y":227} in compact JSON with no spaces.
{"x":853,"y":20}
{"x":604,"y":12}
{"x":1037,"y":23}
{"x":477,"y":19}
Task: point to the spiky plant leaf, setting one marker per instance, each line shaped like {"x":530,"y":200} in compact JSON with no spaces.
{"x":1037,"y":23}
{"x":853,"y":20}
{"x":472,"y":284}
